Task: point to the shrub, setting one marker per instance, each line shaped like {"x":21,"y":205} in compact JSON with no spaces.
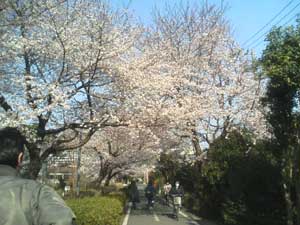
{"x":233,"y":212}
{"x":108,"y":189}
{"x":240,"y":183}
{"x":89,"y":193}
{"x":121,"y":197}
{"x":106,"y":210}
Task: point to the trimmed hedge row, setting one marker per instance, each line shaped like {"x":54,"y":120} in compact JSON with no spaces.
{"x":106,"y":210}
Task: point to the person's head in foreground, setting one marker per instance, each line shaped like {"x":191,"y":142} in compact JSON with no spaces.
{"x":11,"y":147}
{"x":25,"y":201}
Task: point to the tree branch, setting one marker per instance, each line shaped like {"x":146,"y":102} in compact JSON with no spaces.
{"x":4,"y":104}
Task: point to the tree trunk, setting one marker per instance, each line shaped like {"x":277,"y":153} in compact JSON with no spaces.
{"x":287,"y":174}
{"x":107,"y":181}
{"x":34,"y":167}
{"x":196,"y":143}
{"x":297,"y":184}
{"x":103,"y":171}
{"x":108,"y":178}
{"x":297,"y":178}
{"x":289,"y":205}
{"x":100,"y":180}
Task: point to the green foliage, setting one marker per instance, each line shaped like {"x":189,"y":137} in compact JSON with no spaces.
{"x":233,"y":212}
{"x":121,"y":197}
{"x":248,"y":181}
{"x":281,"y":65}
{"x":239,"y":184}
{"x":109,"y":189}
{"x":106,"y":210}
{"x":168,"y":167}
{"x":281,"y":56}
{"x":89,"y":193}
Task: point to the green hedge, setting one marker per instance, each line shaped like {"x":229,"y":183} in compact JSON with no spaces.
{"x":106,"y":210}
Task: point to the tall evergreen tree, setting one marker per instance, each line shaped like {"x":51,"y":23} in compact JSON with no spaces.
{"x":281,"y":65}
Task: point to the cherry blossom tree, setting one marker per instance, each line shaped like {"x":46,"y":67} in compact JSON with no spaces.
{"x":62,"y":62}
{"x":71,"y":67}
{"x":115,"y":151}
{"x":194,"y":77}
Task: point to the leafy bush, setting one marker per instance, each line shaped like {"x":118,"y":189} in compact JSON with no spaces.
{"x":121,"y":197}
{"x":106,"y":210}
{"x":233,"y":212}
{"x":108,"y":189}
{"x":89,"y":193}
{"x":238,"y":184}
{"x":246,"y":179}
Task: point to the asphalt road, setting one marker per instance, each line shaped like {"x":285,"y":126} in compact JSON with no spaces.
{"x":161,"y":214}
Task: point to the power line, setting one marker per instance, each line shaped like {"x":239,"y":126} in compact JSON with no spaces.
{"x":282,"y":18}
{"x":292,"y":18}
{"x":268,"y":23}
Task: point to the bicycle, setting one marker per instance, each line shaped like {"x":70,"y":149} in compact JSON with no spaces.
{"x":176,"y":205}
{"x":150,"y":203}
{"x":167,"y":197}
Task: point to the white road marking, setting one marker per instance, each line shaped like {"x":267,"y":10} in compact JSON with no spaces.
{"x":192,"y":216}
{"x":183,"y":214}
{"x":194,"y":222}
{"x":156,"y":217}
{"x":195,"y":217}
{"x":125,"y":221}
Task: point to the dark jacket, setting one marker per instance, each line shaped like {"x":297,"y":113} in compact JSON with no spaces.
{"x":149,"y":191}
{"x":177,"y":191}
{"x":27,"y":202}
{"x":134,"y":193}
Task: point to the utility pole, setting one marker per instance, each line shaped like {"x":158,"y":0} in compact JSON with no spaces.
{"x":78,"y":167}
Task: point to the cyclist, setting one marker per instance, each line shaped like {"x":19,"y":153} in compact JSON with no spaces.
{"x":177,"y":194}
{"x":149,"y":193}
{"x":167,"y":189}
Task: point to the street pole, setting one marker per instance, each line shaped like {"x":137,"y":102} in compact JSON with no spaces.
{"x":78,"y":167}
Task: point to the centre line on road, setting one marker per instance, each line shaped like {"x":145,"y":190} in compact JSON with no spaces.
{"x":125,"y":221}
{"x":156,"y":217}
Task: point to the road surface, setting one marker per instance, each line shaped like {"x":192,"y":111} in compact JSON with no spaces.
{"x":161,"y":214}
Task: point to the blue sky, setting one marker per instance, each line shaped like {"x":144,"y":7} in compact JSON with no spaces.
{"x":245,"y":16}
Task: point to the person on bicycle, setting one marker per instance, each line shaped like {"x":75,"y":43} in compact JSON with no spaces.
{"x":167,"y":189}
{"x":177,"y":194}
{"x":149,"y":193}
{"x":177,"y":190}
